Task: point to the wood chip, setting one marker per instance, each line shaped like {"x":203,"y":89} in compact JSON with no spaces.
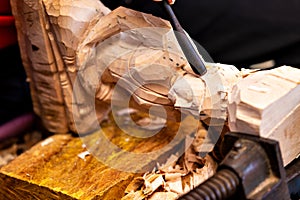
{"x":83,"y":155}
{"x":152,"y":183}
{"x":163,"y":196}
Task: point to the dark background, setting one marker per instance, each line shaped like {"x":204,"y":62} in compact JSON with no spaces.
{"x":238,"y":32}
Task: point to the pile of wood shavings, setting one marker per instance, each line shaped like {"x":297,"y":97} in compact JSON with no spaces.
{"x":178,"y":176}
{"x":12,"y":147}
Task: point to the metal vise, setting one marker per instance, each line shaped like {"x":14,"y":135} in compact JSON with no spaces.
{"x":252,"y":169}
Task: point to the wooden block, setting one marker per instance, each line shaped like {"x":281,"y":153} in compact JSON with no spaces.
{"x":55,"y":171}
{"x":287,"y":133}
{"x":58,"y":167}
{"x":267,"y":104}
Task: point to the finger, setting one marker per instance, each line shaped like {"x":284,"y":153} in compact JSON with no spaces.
{"x":169,"y":1}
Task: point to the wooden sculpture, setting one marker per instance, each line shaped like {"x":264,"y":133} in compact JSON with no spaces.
{"x":83,"y":60}
{"x":62,"y":42}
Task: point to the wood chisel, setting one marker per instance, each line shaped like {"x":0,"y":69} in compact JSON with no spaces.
{"x":187,"y":45}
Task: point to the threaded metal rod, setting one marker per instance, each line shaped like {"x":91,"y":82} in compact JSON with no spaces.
{"x":221,"y":186}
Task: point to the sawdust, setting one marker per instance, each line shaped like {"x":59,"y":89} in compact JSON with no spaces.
{"x":12,"y":147}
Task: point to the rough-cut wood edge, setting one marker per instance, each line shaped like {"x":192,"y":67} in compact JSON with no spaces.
{"x":48,"y":63}
{"x":35,"y":45}
{"x":17,"y":10}
{"x":287,"y":134}
{"x":26,"y":190}
{"x":69,"y":20}
{"x":20,"y":173}
{"x":266,"y":104}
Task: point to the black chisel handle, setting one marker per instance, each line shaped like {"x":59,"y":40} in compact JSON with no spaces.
{"x":185,"y":43}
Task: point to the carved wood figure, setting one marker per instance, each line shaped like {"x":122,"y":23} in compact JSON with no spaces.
{"x":83,"y":60}
{"x":80,"y":57}
{"x":82,"y":43}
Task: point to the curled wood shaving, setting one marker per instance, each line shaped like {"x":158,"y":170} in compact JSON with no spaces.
{"x":152,"y":183}
{"x":135,"y":185}
{"x":199,"y":139}
{"x":246,"y":72}
{"x":177,"y":176}
{"x":169,"y":184}
{"x":138,"y":195}
{"x":83,"y":155}
{"x":163,"y":196}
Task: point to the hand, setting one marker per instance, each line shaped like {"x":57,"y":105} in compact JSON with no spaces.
{"x":171,"y":2}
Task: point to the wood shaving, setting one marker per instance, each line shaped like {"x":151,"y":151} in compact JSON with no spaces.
{"x":177,"y":176}
{"x":47,"y":141}
{"x":246,"y":72}
{"x":138,"y":195}
{"x":163,"y":196}
{"x":135,"y":185}
{"x":83,"y":155}
{"x":8,"y":155}
{"x":152,"y":183}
